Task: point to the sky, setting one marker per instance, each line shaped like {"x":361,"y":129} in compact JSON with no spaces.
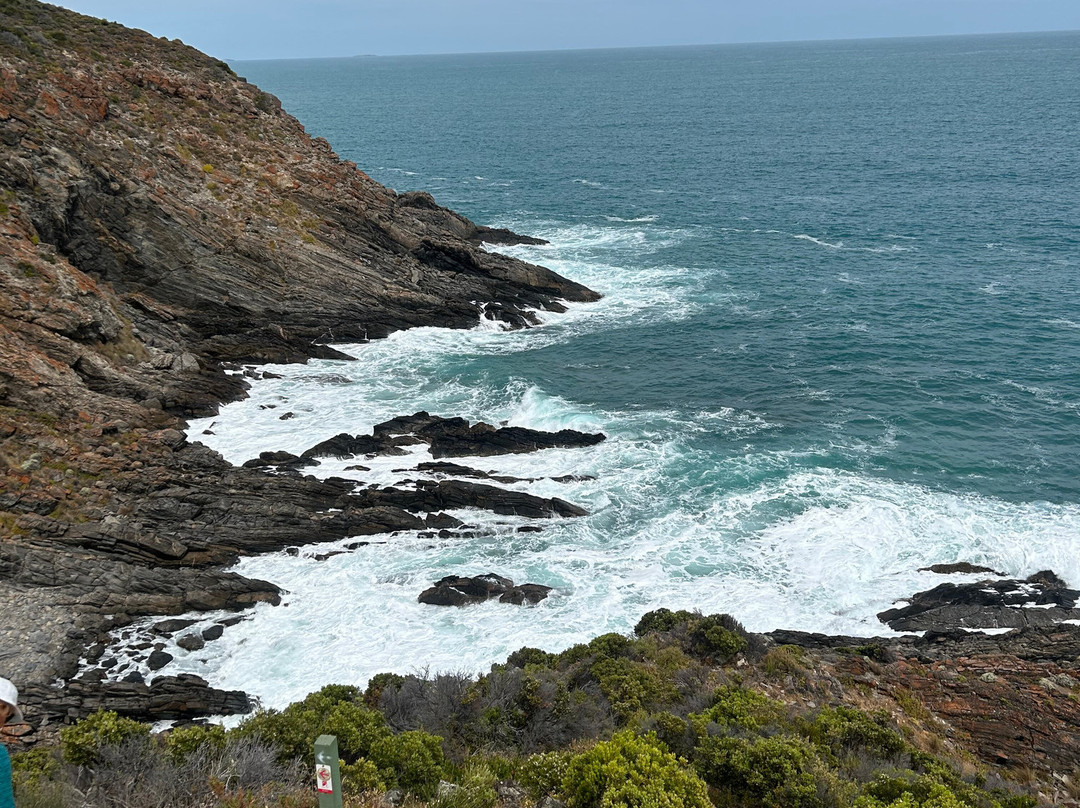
{"x":236,"y":30}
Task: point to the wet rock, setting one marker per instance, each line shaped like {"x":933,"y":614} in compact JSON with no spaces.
{"x":456,"y":590}
{"x":280,"y":460}
{"x":1040,"y":600}
{"x":434,"y":496}
{"x":449,"y":437}
{"x":158,"y":660}
{"x":172,"y":626}
{"x":960,"y":567}
{"x":211,"y":633}
{"x":191,"y":642}
{"x":526,"y":593}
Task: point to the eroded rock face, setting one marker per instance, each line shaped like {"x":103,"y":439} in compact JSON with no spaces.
{"x":168,"y":697}
{"x":1040,"y":600}
{"x":163,"y":221}
{"x":455,"y":590}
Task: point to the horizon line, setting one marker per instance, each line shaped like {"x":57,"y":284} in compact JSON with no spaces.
{"x":656,"y":47}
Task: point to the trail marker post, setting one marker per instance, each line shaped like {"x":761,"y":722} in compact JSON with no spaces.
{"x":327,"y":772}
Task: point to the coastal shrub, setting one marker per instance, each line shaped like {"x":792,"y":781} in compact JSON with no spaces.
{"x":82,"y":742}
{"x":412,"y":761}
{"x":474,"y":788}
{"x":35,"y":765}
{"x":334,"y":710}
{"x":629,"y":686}
{"x":378,"y":683}
{"x":906,"y":790}
{"x":735,"y":706}
{"x":660,"y":621}
{"x":717,"y":636}
{"x":845,"y":729}
{"x":357,"y":729}
{"x":674,"y":732}
{"x":185,"y":741}
{"x":609,"y":645}
{"x":360,"y":776}
{"x":632,"y":771}
{"x":542,"y":774}
{"x":783,"y":660}
{"x":777,"y":772}
{"x":523,"y":657}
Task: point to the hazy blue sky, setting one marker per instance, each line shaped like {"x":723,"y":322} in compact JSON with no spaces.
{"x":266,"y":29}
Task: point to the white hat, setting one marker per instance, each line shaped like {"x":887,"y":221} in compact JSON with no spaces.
{"x":10,"y":695}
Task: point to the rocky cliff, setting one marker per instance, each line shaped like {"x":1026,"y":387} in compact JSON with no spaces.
{"x":160,"y":220}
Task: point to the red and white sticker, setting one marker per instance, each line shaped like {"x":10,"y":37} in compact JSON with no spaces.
{"x":324,"y":780}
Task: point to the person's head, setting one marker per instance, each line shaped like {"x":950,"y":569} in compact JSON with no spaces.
{"x":9,"y":703}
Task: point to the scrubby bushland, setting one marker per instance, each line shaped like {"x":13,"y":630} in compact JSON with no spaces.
{"x":668,"y":718}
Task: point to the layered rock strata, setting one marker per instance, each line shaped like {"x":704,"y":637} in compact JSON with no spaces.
{"x":161,"y":220}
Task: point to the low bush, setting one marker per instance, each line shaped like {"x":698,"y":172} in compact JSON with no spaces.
{"x":183,"y":742}
{"x":778,"y":772}
{"x":630,"y":687}
{"x":718,"y":637}
{"x":735,"y":706}
{"x":542,"y":774}
{"x":412,"y":761}
{"x":82,"y":742}
{"x":474,"y":788}
{"x":842,"y":730}
{"x":360,"y":777}
{"x":661,"y":621}
{"x":632,"y":771}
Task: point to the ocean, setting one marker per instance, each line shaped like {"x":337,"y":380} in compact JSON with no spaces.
{"x":839,"y":341}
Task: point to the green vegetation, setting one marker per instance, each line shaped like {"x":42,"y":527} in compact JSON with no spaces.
{"x":663,"y":719}
{"x":82,"y":743}
{"x":629,"y":771}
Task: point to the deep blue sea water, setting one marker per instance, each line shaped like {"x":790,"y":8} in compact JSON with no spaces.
{"x":840,"y":338}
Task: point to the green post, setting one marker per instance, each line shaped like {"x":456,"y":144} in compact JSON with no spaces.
{"x":327,"y":772}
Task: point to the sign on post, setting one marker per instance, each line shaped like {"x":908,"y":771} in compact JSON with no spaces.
{"x":327,"y":772}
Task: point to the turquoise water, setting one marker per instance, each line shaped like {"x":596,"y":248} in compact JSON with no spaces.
{"x":880,"y":240}
{"x":840,"y":338}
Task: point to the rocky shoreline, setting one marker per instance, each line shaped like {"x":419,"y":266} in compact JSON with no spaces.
{"x":163,"y":222}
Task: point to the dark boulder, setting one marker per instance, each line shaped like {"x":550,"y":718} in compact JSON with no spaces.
{"x":526,"y":593}
{"x":158,"y":660}
{"x":280,"y":460}
{"x":959,"y":567}
{"x":191,"y":642}
{"x":449,"y":437}
{"x":450,"y":494}
{"x":456,"y":590}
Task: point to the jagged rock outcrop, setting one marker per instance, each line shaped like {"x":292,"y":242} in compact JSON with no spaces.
{"x":449,"y":437}
{"x":1043,"y":599}
{"x":161,"y":219}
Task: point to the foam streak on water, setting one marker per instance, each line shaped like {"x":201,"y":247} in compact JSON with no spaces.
{"x":772,"y":536}
{"x":839,"y":340}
